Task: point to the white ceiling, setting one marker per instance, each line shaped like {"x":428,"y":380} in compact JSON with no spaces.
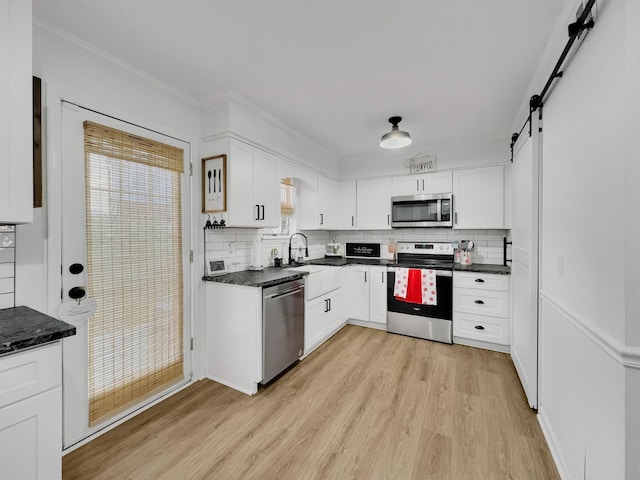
{"x":334,"y":70}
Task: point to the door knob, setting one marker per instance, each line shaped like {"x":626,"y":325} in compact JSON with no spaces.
{"x":76,"y":293}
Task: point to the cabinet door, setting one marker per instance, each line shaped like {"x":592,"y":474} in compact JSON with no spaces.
{"x":346,"y":209}
{"x":31,"y":437}
{"x":327,"y":202}
{"x":267,"y":190}
{"x":406,"y":185}
{"x":355,"y":284}
{"x":373,"y":204}
{"x":335,"y":318}
{"x":479,"y":197}
{"x":440,"y":182}
{"x":378,"y":295}
{"x":308,"y":217}
{"x":242,"y":208}
{"x":16,"y":137}
{"x":315,"y":322}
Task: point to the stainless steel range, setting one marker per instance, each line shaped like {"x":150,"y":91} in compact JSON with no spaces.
{"x":431,"y":322}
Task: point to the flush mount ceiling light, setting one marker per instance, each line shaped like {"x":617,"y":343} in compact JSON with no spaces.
{"x":396,"y":138}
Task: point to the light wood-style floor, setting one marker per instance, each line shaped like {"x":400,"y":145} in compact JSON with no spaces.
{"x":366,"y":405}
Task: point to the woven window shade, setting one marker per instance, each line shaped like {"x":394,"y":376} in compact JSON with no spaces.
{"x":286,"y":197}
{"x":134,"y":266}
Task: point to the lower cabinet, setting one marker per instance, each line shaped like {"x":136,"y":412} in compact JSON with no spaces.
{"x":322,"y":318}
{"x":31,"y":413}
{"x":234,"y":335}
{"x":481,"y":310}
{"x":365,"y":290}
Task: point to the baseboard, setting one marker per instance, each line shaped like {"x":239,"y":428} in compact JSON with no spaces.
{"x":231,"y":385}
{"x":374,"y":325}
{"x":552,"y":442}
{"x":479,"y":344}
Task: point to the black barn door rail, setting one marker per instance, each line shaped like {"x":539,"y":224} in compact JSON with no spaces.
{"x":584,"y":22}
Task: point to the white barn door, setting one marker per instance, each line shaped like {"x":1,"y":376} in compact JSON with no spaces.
{"x":524,"y":266}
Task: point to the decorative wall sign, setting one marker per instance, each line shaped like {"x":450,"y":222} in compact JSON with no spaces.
{"x":421,"y":163}
{"x":214,"y":184}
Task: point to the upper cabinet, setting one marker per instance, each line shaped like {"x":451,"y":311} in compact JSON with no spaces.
{"x":317,"y":201}
{"x":346,"y":205}
{"x":253,"y":192}
{"x":16,"y":132}
{"x":478,"y":198}
{"x":440,"y":182}
{"x":373,"y":204}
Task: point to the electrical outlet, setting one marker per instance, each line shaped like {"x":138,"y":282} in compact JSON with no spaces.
{"x":561,"y":266}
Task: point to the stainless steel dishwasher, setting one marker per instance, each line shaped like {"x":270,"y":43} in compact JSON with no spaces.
{"x":282,"y":327}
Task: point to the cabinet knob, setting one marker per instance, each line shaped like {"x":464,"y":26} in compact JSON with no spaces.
{"x":479,"y":280}
{"x":479,"y":302}
{"x":479,"y":327}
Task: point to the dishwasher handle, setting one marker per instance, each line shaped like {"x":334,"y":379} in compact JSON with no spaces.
{"x":286,"y":293}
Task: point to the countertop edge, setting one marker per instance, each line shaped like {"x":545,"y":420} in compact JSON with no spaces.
{"x":22,"y":328}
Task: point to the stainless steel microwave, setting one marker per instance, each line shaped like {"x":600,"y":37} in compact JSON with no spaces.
{"x":427,"y":210}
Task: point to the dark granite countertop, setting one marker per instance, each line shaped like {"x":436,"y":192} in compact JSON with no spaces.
{"x":483,"y":268}
{"x":23,"y":327}
{"x":258,"y":278}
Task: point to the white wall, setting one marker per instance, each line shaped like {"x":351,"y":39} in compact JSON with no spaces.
{"x":589,"y":335}
{"x":81,"y":74}
{"x":449,"y":156}
{"x":237,"y":116}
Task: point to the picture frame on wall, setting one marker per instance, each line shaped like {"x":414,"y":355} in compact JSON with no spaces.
{"x":214,"y":184}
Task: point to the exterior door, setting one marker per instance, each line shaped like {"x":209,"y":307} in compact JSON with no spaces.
{"x":524,"y":267}
{"x":116,"y":252}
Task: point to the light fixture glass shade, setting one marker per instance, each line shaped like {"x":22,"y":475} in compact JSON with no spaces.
{"x":396,"y":138}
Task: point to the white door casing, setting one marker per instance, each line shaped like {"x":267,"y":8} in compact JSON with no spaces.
{"x":524,"y":267}
{"x":75,"y":353}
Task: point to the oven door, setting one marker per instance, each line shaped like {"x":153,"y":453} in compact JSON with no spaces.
{"x":444,"y":290}
{"x":431,"y":322}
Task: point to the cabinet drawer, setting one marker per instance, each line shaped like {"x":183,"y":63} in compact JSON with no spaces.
{"x":478,"y":327}
{"x":482,"y":281}
{"x":322,"y":282}
{"x":28,"y":373}
{"x":481,"y":302}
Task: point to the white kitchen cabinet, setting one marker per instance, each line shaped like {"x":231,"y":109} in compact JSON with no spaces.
{"x":481,"y":310}
{"x":31,"y":413}
{"x":322,"y":318}
{"x":346,"y":205}
{"x":478,"y":198}
{"x":323,"y":306}
{"x":234,"y":335}
{"x":378,"y":295}
{"x":439,"y":182}
{"x":365,"y":289}
{"x":16,"y":131}
{"x":317,"y":204}
{"x":253,"y":187}
{"x":373,"y":204}
{"x":356,"y":279}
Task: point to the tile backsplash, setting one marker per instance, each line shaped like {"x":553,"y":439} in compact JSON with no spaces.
{"x":234,"y":245}
{"x":7,"y":265}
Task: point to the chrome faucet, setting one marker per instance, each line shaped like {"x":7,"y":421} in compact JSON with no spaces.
{"x":306,"y":246}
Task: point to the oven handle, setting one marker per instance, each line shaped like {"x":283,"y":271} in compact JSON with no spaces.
{"x":439,"y":273}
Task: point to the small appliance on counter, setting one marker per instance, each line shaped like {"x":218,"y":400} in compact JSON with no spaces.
{"x":333,"y":249}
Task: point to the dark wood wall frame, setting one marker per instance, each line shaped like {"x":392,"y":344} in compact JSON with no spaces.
{"x":37,"y":142}
{"x":214,"y":184}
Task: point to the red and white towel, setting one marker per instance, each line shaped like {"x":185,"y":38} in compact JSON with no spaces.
{"x":416,"y":286}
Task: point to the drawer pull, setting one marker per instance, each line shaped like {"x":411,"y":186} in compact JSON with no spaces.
{"x":479,"y":280}
{"x":479,"y":302}
{"x":479,"y":327}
